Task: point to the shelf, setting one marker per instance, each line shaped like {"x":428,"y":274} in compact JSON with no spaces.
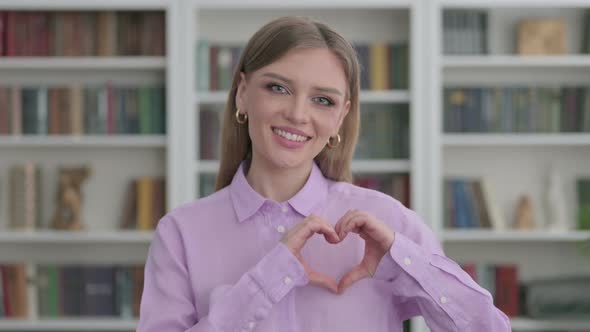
{"x":358,"y":166}
{"x":84,"y":5}
{"x":528,"y":324}
{"x":512,"y":139}
{"x":213,"y":97}
{"x":381,"y":166}
{"x":391,"y":96}
{"x":69,"y":324}
{"x":84,"y":237}
{"x":512,"y":3}
{"x":120,"y":141}
{"x":294,"y":4}
{"x":478,"y":235}
{"x":83,"y":63}
{"x":509,"y":61}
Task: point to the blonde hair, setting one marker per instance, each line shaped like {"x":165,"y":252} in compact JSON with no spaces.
{"x":267,"y":45}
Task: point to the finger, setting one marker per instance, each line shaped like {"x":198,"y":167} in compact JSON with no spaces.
{"x":317,"y":225}
{"x":343,"y":221}
{"x":354,"y":224}
{"x":368,"y":227}
{"x":323,"y":280}
{"x":338,"y":225}
{"x":357,"y":273}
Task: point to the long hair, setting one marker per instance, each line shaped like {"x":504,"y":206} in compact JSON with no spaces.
{"x":267,"y":45}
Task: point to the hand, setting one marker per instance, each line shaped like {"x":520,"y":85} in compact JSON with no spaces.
{"x":378,"y":240}
{"x":296,"y":238}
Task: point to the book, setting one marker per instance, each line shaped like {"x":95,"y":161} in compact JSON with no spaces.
{"x":99,"y":291}
{"x":583,"y":194}
{"x":25,"y":196}
{"x":469,"y":203}
{"x":507,"y":289}
{"x":82,"y":33}
{"x":558,"y":298}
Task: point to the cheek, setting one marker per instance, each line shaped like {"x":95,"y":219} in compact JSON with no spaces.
{"x":326,"y":123}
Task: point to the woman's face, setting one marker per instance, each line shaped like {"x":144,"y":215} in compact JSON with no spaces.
{"x":294,"y":105}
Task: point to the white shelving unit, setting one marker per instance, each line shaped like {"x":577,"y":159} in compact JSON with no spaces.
{"x":66,"y":238}
{"x":519,"y":61}
{"x":62,"y":325}
{"x":114,"y":159}
{"x":516,"y":140}
{"x":83,"y":63}
{"x":489,"y":236}
{"x":87,"y":141}
{"x":514,"y":163}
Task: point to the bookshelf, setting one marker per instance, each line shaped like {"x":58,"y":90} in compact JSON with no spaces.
{"x":114,"y":158}
{"x":515,"y":162}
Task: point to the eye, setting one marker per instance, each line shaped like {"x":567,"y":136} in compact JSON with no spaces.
{"x":276,"y":88}
{"x":323,"y":101}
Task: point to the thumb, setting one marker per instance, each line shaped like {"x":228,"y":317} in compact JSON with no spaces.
{"x":357,"y":273}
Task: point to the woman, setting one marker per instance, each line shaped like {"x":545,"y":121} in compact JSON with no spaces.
{"x":245,"y":258}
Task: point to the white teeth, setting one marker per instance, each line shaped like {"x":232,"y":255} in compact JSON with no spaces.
{"x":289,"y":136}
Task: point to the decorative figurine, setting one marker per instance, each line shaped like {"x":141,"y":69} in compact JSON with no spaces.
{"x":523,"y":218}
{"x":68,"y":213}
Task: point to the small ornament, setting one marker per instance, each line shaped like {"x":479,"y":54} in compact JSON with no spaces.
{"x":523,"y":218}
{"x":68,"y":212}
{"x":555,"y":206}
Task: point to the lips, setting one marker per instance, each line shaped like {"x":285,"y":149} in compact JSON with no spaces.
{"x":291,"y":134}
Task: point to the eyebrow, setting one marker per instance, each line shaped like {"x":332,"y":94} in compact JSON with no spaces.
{"x":290,"y":82}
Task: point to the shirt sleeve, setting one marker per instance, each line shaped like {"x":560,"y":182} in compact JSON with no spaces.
{"x":168,"y":303}
{"x":425,"y":282}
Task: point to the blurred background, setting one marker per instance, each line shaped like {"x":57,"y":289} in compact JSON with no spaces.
{"x":475,"y":114}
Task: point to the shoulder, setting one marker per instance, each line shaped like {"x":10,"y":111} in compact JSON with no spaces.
{"x":213,"y":205}
{"x":348,"y":193}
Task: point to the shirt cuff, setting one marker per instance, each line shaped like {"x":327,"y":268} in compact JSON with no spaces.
{"x":279,"y":272}
{"x":403,"y":254}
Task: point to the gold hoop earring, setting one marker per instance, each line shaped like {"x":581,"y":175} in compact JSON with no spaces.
{"x":332,"y":145}
{"x":243,"y":118}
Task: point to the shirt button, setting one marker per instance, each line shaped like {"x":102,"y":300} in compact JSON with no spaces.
{"x":287,"y":281}
{"x":281,"y":229}
{"x":407,"y":261}
{"x":285,"y":209}
{"x":443,"y":300}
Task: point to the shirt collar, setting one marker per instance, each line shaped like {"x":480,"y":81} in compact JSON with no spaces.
{"x":247,"y":201}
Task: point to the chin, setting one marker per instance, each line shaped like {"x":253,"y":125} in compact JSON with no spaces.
{"x":287,"y":163}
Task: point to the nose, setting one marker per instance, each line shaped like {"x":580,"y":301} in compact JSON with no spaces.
{"x":298,"y":112}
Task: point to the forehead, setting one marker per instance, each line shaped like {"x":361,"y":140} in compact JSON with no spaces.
{"x":319,"y":66}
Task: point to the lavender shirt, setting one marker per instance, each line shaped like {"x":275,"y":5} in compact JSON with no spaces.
{"x":217,"y":264}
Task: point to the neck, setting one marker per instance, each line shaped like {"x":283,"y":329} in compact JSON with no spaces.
{"x":277,"y":184}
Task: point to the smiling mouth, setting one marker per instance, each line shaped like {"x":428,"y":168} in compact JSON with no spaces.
{"x":290,"y":136}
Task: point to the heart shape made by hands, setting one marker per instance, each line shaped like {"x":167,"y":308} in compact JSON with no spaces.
{"x":378,"y":238}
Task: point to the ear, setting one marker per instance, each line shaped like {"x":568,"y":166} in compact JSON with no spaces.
{"x":342,"y":116}
{"x":241,"y":93}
